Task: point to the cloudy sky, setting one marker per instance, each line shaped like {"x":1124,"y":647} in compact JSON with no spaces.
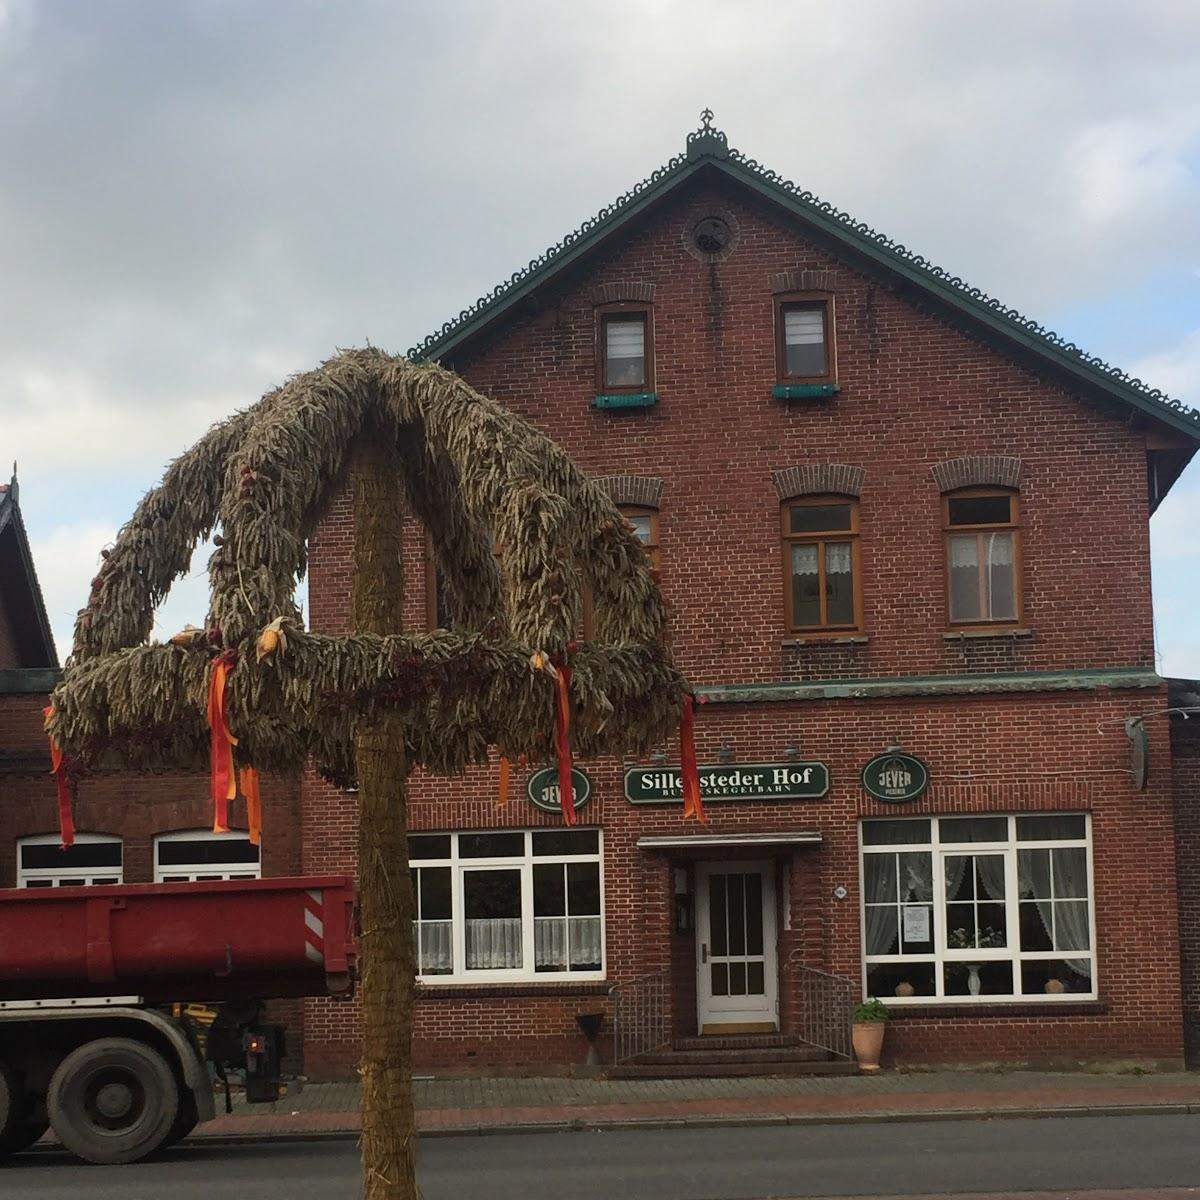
{"x":199,"y":197}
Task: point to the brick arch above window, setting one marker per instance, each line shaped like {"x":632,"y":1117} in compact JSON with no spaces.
{"x":978,"y":470}
{"x":815,"y":479}
{"x":642,"y":490}
{"x":626,"y":291}
{"x":799,"y":280}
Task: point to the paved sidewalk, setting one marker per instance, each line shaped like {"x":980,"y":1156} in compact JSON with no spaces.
{"x":502,"y":1105}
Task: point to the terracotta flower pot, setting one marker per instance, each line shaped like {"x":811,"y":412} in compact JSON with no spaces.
{"x":867,"y":1037}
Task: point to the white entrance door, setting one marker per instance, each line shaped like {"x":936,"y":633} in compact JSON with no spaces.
{"x":737,"y":975}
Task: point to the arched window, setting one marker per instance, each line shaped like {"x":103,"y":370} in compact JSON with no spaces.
{"x":983,"y":556}
{"x":196,"y":855}
{"x":821,"y":571}
{"x":94,"y":858}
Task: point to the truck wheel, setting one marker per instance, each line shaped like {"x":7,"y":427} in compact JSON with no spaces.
{"x":113,"y":1100}
{"x":10,"y":1105}
{"x":22,"y":1135}
{"x":185,"y":1121}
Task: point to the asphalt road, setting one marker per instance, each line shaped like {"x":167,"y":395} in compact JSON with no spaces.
{"x":950,"y":1158}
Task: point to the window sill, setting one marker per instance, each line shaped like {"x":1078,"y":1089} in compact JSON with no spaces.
{"x":991,"y":631}
{"x":998,"y":1008}
{"x":804,"y":391}
{"x":625,"y":400}
{"x":466,"y":991}
{"x":827,"y":639}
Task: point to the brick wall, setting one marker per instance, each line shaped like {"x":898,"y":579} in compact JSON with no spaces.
{"x":915,"y":395}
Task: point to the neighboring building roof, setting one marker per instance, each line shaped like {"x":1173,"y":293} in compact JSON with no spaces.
{"x":708,"y":151}
{"x":20,"y":593}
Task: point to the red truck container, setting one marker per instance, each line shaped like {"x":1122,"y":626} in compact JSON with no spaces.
{"x":91,"y":1040}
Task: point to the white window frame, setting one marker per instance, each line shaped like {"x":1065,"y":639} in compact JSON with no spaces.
{"x":460,"y":866}
{"x":61,"y":876}
{"x":1012,"y":952}
{"x":198,"y":872}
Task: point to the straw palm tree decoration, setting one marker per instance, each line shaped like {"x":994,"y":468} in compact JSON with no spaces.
{"x":517,"y":534}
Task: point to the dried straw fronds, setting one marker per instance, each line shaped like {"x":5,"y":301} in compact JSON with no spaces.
{"x":516,"y":531}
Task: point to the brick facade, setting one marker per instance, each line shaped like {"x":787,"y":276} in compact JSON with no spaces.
{"x":1185,"y":765}
{"x":920,"y":408}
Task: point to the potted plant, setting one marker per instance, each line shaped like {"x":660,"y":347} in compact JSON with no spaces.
{"x":868,"y":1023}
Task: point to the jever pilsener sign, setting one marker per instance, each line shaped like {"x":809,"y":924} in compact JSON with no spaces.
{"x":746,"y":781}
{"x":895,"y":777}
{"x":542,"y":789}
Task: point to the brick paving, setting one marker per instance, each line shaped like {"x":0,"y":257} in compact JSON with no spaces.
{"x":495,"y":1105}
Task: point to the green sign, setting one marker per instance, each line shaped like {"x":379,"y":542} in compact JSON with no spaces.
{"x":748,"y":781}
{"x":895,"y":778}
{"x":542,"y":789}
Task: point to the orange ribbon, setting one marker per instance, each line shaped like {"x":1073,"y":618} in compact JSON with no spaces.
{"x":693,"y":806}
{"x":562,"y":742}
{"x":505,"y":776}
{"x":66,"y":809}
{"x":224,"y":783}
{"x":248,"y":778}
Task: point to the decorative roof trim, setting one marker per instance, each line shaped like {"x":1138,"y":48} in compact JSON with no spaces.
{"x":642,"y":490}
{"x":801,"y":280}
{"x":640,"y":292}
{"x":708,"y":147}
{"x":815,"y":479}
{"x":978,"y":470}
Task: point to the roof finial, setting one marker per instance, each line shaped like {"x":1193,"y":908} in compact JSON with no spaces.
{"x":707,"y":141}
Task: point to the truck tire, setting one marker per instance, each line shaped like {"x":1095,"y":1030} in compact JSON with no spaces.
{"x":10,"y":1104}
{"x":113,"y":1100}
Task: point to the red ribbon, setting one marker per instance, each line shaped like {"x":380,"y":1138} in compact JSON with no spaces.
{"x":248,"y":777}
{"x":562,"y":742}
{"x":224,"y":783}
{"x":693,"y":806}
{"x":66,"y":809}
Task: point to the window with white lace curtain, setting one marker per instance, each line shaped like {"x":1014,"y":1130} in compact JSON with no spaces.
{"x":507,"y":905}
{"x":822,"y":583}
{"x":969,"y":909}
{"x":982,"y":557}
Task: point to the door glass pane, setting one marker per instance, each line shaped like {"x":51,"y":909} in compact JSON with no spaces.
{"x":806,"y":594}
{"x":737,"y":978}
{"x":754,"y":916}
{"x":717,"y":918}
{"x":755,"y":979}
{"x":839,"y":583}
{"x":819,"y":518}
{"x":737,"y":914}
{"x":492,"y":910}
{"x":964,"y":578}
{"x":720,"y":979}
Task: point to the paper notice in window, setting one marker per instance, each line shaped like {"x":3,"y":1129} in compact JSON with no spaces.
{"x":916,"y":923}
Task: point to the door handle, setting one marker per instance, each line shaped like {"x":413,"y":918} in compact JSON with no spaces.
{"x":704,"y":952}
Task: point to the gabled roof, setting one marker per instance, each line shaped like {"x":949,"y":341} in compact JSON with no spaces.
{"x":708,"y":151}
{"x":20,"y":593}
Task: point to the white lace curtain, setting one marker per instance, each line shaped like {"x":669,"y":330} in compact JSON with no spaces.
{"x":435,"y":947}
{"x":494,"y":944}
{"x":1065,"y":920}
{"x":559,"y":941}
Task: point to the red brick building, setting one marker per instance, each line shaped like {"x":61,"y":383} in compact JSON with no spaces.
{"x":903,"y":533}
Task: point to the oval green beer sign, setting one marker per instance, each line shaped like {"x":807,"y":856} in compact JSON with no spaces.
{"x":542,"y":789}
{"x":895,"y":778}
